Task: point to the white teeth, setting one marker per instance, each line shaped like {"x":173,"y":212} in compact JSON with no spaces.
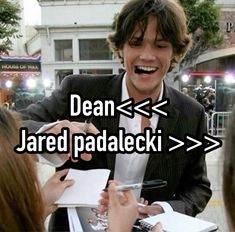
{"x":145,"y":68}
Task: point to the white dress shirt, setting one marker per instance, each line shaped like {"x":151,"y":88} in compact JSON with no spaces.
{"x":130,"y":168}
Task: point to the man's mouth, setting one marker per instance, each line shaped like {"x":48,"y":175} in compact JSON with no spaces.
{"x":145,"y":69}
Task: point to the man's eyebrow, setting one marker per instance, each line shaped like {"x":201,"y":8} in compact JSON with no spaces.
{"x":136,"y":38}
{"x":161,"y":39}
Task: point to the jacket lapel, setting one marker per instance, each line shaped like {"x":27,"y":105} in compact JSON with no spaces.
{"x":113,"y":91}
{"x":167,"y":125}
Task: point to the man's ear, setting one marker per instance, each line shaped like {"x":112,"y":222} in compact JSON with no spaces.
{"x":120,"y":53}
{"x":174,"y":58}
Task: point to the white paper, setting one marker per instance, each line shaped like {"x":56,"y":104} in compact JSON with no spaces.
{"x":177,"y":222}
{"x":74,"y":222}
{"x":86,"y":189}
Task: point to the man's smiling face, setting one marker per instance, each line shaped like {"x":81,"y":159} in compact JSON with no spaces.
{"x":146,"y":61}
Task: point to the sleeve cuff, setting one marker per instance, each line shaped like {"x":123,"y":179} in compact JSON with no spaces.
{"x":47,"y":126}
{"x":49,"y":159}
{"x":166,"y":206}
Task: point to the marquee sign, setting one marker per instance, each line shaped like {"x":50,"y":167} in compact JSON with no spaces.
{"x":19,"y":67}
{"x":20,"y":64}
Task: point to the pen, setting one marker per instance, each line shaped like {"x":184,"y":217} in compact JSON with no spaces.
{"x":158,"y":183}
{"x":86,"y":124}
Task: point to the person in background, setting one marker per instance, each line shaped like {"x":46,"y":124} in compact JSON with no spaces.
{"x":150,"y":38}
{"x":229,"y":172}
{"x":24,"y":204}
{"x":185,"y":91}
{"x":207,"y":105}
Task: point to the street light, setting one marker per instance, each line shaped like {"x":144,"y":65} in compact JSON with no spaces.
{"x":207,"y":79}
{"x":185,"y":78}
{"x":8,"y":84}
{"x":229,"y":78}
{"x":31,"y":83}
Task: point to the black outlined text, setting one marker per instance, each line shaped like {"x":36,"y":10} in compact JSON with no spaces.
{"x":88,"y":108}
{"x":43,"y":142}
{"x":104,"y":107}
{"x":121,"y":143}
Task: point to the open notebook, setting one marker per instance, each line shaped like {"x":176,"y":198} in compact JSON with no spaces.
{"x":177,"y":222}
{"x":86,"y":189}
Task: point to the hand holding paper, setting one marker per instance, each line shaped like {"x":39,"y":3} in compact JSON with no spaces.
{"x":53,"y":189}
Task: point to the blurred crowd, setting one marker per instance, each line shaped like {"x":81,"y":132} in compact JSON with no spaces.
{"x":204,"y":95}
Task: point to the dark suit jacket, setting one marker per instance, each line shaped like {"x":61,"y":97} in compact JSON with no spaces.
{"x":188,"y":189}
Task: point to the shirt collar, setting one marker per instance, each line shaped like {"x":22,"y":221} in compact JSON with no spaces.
{"x":125,"y":94}
{"x":155,"y":117}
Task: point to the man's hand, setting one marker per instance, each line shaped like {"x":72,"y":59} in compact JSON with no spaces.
{"x":122,"y":210}
{"x":74,"y":127}
{"x":104,"y":201}
{"x":157,"y":228}
{"x":53,"y":189}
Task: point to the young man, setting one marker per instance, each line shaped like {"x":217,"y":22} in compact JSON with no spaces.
{"x":150,"y":38}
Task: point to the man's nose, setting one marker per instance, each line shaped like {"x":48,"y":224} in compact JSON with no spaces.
{"x":147,"y":53}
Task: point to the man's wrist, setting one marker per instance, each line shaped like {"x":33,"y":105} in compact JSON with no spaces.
{"x":165,"y":206}
{"x":49,"y":159}
{"x":47,"y":126}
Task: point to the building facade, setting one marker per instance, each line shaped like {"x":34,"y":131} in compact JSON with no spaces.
{"x":214,"y":72}
{"x":73,"y":38}
{"x":20,"y":69}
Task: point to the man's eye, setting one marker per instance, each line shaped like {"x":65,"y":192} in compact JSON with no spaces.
{"x":134,"y":43}
{"x":162,"y":45}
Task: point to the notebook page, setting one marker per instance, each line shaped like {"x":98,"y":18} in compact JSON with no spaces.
{"x":177,"y":222}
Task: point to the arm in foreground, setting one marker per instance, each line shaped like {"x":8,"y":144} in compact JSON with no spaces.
{"x":53,"y":189}
{"x":122,"y":210}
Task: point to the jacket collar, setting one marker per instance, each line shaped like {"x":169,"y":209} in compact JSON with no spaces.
{"x":167,"y":125}
{"x":113,"y":90}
